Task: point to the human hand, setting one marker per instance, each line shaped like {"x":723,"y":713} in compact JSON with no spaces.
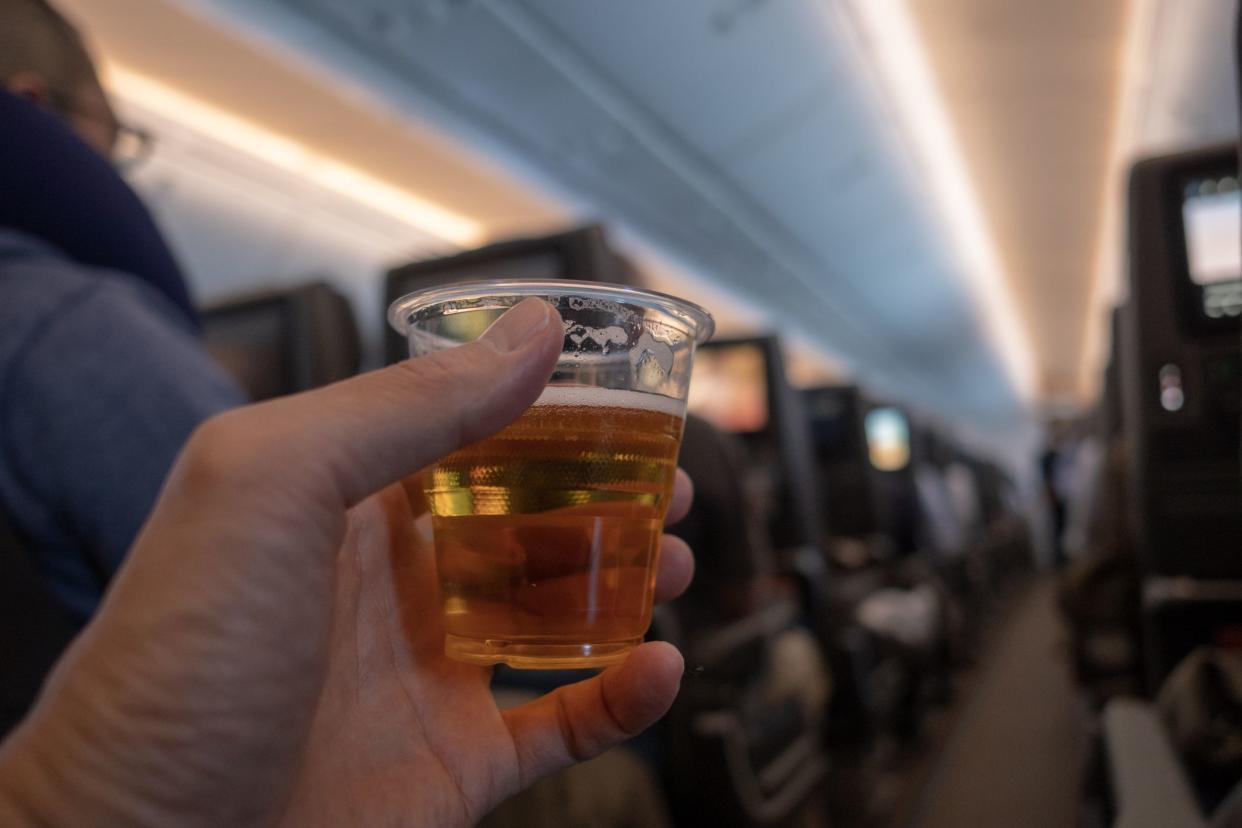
{"x":272,"y":649}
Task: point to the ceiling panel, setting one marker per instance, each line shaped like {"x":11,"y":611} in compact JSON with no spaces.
{"x":1031,"y":88}
{"x":737,"y":137}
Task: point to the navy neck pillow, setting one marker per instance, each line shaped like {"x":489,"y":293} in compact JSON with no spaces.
{"x":55,"y":187}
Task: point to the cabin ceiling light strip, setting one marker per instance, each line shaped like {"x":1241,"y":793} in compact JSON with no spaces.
{"x":897,"y":56}
{"x":293,"y":157}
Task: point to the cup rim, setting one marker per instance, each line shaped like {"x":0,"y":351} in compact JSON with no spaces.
{"x":697,"y":319}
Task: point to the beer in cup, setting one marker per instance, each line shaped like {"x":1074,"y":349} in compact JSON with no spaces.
{"x":547,"y":533}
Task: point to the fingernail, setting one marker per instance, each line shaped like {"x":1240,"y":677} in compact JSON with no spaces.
{"x":521,"y":322}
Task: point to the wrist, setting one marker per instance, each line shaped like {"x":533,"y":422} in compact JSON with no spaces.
{"x":23,"y":784}
{"x":53,"y":773}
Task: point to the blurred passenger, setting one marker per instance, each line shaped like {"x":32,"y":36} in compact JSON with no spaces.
{"x":1049,"y":461}
{"x":102,"y":372}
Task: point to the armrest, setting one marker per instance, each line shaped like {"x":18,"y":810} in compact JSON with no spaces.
{"x":1150,"y":788}
{"x":714,"y":646}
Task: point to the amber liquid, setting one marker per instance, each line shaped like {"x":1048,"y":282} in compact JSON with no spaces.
{"x":547,"y":534}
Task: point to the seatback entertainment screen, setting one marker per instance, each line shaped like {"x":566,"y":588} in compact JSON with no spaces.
{"x":888,"y":439}
{"x":729,"y":388}
{"x":1212,"y":226}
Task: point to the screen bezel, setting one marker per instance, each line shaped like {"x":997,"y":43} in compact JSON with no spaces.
{"x":1189,"y":292}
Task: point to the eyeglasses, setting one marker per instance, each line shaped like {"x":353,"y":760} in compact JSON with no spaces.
{"x":131,"y":145}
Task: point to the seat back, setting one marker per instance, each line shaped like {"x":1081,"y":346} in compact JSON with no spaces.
{"x":733,"y":553}
{"x":743,"y":738}
{"x":1181,"y":367}
{"x":779,"y":455}
{"x":581,"y":253}
{"x":285,"y":341}
{"x":839,"y":438}
{"x":1181,"y":378}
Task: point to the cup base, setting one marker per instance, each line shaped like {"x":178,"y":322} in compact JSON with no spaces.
{"x":536,"y":656}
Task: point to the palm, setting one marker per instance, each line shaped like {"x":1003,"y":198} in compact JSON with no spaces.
{"x":404,"y":735}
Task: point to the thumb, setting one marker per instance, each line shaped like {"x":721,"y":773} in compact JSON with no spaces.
{"x":579,"y":721}
{"x":367,"y":432}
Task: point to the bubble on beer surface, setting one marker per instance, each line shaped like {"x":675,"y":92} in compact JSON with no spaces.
{"x":589,"y":397}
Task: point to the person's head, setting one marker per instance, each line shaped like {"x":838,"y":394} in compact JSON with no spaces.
{"x":43,"y":59}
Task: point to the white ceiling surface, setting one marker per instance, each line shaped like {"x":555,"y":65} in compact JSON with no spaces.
{"x":733,"y":136}
{"x":1183,"y":79}
{"x":1178,"y":94}
{"x":1031,"y":89}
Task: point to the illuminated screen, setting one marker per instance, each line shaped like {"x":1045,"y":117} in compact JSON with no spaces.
{"x":729,"y":388}
{"x":888,"y":439}
{"x":1212,"y":221}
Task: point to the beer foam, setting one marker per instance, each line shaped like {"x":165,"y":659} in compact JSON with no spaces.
{"x":589,"y":397}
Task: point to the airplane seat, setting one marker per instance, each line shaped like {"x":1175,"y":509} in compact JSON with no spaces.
{"x":1016,"y":545}
{"x":730,"y":581}
{"x":779,"y":469}
{"x":752,"y":397}
{"x":1182,"y":380}
{"x":1182,"y":395}
{"x":877,"y":628}
{"x":1000,"y":552}
{"x":1000,"y":542}
{"x":1177,"y":761}
{"x":284,"y":341}
{"x":971,"y":579}
{"x":941,"y":563}
{"x":959,"y":477}
{"x":849,"y":511}
{"x":35,"y":630}
{"x":942,"y":534}
{"x":743,"y":740}
{"x":1100,"y":590}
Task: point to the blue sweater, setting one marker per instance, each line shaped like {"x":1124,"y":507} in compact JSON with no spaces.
{"x":101,"y":382}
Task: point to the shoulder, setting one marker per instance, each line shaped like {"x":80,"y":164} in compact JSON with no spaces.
{"x":34,"y":288}
{"x":67,"y":328}
{"x":44,"y":295}
{"x":40,"y":289}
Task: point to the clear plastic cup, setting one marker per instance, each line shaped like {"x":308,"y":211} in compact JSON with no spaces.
{"x":547,"y":534}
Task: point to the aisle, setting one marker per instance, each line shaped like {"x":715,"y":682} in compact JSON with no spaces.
{"x":1016,"y":752}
